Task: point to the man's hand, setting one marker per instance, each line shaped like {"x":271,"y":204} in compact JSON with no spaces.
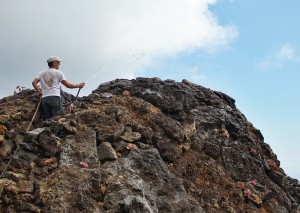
{"x":81,"y":85}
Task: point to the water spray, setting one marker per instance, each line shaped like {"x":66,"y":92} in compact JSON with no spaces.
{"x":136,"y":57}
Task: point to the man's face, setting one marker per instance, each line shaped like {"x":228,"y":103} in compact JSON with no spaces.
{"x":56,"y":64}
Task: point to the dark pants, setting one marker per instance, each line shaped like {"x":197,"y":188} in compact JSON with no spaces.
{"x":50,"y":106}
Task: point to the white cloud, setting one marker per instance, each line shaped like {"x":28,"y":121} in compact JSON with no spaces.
{"x":90,"y":34}
{"x":285,"y":54}
{"x":195,"y":75}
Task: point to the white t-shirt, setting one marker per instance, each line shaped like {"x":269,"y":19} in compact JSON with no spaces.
{"x":50,"y":79}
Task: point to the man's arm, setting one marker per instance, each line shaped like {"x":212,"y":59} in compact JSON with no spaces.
{"x":70,"y":85}
{"x":35,"y":85}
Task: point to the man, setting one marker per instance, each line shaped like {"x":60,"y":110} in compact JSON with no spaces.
{"x":50,"y":80}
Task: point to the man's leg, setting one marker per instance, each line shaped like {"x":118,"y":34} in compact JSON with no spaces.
{"x":54,"y":105}
{"x":50,"y":106}
{"x":45,"y":109}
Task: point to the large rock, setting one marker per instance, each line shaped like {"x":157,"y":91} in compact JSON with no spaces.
{"x":106,"y":152}
{"x":142,"y":182}
{"x":165,"y":146}
{"x":6,"y":148}
{"x":69,"y":190}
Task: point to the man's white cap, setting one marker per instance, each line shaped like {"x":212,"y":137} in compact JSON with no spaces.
{"x":54,"y":58}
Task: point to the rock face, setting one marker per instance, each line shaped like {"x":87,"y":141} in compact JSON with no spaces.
{"x":142,"y":145}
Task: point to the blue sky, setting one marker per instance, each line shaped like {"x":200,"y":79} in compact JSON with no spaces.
{"x":247,"y":49}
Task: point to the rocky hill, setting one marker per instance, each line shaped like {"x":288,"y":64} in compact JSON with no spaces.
{"x":142,"y":145}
